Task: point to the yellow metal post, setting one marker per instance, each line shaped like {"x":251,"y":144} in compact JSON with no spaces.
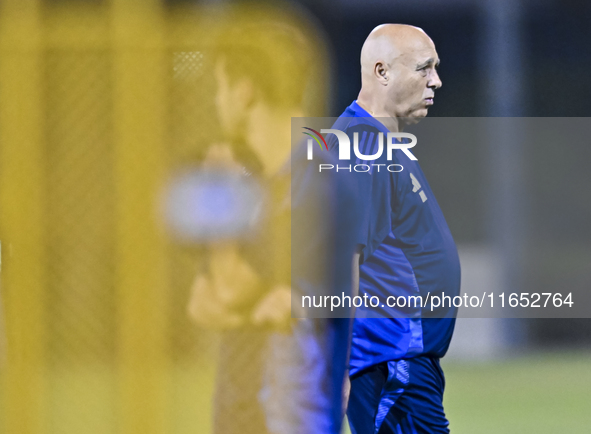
{"x":139,"y":119}
{"x":21,"y":216}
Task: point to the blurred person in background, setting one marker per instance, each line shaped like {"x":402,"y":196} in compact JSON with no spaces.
{"x":404,"y":248}
{"x":275,"y":374}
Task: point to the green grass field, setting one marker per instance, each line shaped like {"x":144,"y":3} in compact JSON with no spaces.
{"x":534,"y":394}
{"x":539,"y":394}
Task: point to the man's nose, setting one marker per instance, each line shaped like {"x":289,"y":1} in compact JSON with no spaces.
{"x":434,"y":80}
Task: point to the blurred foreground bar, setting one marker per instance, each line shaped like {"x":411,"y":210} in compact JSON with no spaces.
{"x":99,"y":103}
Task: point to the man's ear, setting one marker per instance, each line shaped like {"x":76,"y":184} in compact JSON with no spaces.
{"x":381,"y":72}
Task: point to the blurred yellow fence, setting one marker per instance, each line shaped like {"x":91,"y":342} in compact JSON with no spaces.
{"x":98,"y":101}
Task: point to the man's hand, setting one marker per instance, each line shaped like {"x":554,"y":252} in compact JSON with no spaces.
{"x":274,"y":309}
{"x":233,"y":280}
{"x":207,"y":311}
{"x":220,"y":155}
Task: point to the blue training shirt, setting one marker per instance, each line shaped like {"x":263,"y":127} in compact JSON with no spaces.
{"x":407,"y":249}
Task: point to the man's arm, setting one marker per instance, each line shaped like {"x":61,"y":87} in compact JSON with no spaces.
{"x":206,"y":310}
{"x":222,"y":298}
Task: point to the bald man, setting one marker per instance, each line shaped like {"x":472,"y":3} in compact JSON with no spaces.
{"x":405,"y":248}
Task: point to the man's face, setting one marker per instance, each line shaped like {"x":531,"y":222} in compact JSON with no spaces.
{"x":414,"y":80}
{"x":231,"y":100}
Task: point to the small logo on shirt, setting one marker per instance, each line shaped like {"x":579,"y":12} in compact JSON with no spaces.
{"x":416,"y":186}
